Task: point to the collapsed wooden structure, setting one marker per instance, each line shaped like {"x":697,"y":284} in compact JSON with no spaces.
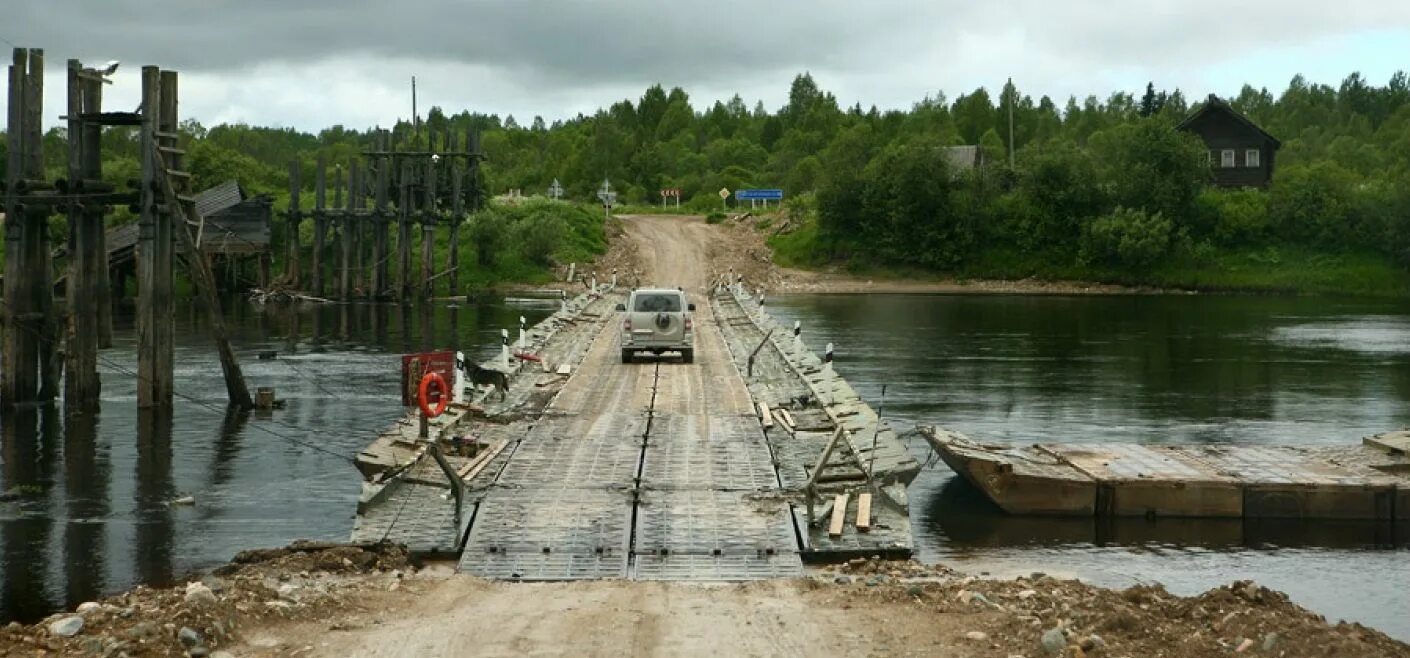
{"x":168,"y":218}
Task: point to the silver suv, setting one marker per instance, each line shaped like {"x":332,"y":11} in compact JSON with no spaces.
{"x":657,"y":320}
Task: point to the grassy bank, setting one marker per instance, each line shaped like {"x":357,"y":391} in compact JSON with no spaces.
{"x":1282,"y":269}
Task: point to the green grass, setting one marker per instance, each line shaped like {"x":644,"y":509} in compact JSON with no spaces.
{"x":1283,"y":270}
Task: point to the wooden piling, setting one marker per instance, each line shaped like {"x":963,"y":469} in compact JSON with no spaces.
{"x":81,"y":385}
{"x":457,"y":216}
{"x":291,"y":228}
{"x":320,"y":198}
{"x":404,"y":217}
{"x":93,"y":134}
{"x":357,"y":194}
{"x":345,"y":239}
{"x":149,"y":236}
{"x":17,"y":373}
{"x":380,"y":254}
{"x":182,"y":215}
{"x":429,"y":217}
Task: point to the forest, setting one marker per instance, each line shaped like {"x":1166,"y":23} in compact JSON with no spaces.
{"x":1095,"y":189}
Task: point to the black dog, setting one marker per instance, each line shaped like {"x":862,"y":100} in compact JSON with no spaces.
{"x":478,"y":376}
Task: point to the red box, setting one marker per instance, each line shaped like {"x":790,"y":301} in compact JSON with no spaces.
{"x":415,"y":366}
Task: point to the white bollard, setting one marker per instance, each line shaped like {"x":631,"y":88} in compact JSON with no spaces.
{"x":798,"y":335}
{"x":594,"y":282}
{"x":523,"y":342}
{"x":827,"y":359}
{"x":504,"y":350}
{"x":572,"y":271}
{"x":563,"y":301}
{"x":614,"y":278}
{"x":457,"y":390}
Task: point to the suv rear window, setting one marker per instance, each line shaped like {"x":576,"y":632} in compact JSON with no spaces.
{"x":657,"y":303}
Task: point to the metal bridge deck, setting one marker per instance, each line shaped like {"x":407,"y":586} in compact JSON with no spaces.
{"x":653,"y":471}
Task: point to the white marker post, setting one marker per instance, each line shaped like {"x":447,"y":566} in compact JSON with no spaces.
{"x":827,"y":359}
{"x":614,"y":278}
{"x":572,"y":271}
{"x":523,"y":342}
{"x":594,"y":281}
{"x":504,"y":350}
{"x":458,"y":388}
{"x":563,"y":300}
{"x":798,"y":335}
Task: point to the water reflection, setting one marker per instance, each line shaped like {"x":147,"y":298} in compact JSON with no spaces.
{"x":30,"y":449}
{"x":155,"y":491}
{"x":86,"y":477}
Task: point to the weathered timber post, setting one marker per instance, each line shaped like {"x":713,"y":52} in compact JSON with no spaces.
{"x":24,"y":319}
{"x":429,"y":217}
{"x":404,"y":216}
{"x":81,"y":384}
{"x":93,"y":134}
{"x":320,"y":220}
{"x":181,"y":216}
{"x":457,"y":217}
{"x":357,"y":194}
{"x":345,"y":235}
{"x":380,"y":253}
{"x":291,"y":227}
{"x":153,"y":382}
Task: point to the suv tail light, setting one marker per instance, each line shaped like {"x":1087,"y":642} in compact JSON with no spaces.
{"x":627,"y":324}
{"x":689,"y":324}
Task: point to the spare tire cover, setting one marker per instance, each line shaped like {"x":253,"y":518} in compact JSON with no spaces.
{"x":663,"y":321}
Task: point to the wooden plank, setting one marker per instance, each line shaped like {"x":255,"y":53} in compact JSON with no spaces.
{"x":764,"y":416}
{"x":839,"y":515}
{"x":468,"y":475}
{"x":788,"y":419}
{"x":864,"y":512}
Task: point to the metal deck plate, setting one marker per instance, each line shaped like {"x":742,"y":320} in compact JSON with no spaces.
{"x":420,"y":516}
{"x":585,"y":464}
{"x":543,"y":567}
{"x":709,"y":568}
{"x":702,"y":522}
{"x":725,"y":461}
{"x":582,"y":521}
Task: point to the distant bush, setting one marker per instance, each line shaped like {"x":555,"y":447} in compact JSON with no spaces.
{"x":715,"y":217}
{"x":487,"y":232}
{"x":1240,"y":217}
{"x":539,"y":235}
{"x":1127,"y":238}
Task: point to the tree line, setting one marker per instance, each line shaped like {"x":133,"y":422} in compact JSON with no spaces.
{"x":1093,"y":183}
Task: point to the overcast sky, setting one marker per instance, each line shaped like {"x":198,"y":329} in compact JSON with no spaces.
{"x":312,"y":63}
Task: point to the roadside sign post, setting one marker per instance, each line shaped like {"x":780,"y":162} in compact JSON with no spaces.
{"x":756,"y":196}
{"x":607,"y":197}
{"x":671,"y":192}
{"x":724,"y":197}
{"x":555,"y":190}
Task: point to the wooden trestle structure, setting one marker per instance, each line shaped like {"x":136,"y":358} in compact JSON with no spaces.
{"x":352,"y":249}
{"x":167,"y":218}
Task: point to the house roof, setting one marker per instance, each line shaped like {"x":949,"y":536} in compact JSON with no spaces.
{"x":218,"y":198}
{"x":1215,"y":103}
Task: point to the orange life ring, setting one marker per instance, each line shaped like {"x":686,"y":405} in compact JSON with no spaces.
{"x":423,"y":392}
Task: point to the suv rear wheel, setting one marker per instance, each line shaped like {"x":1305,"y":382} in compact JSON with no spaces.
{"x":688,"y":355}
{"x":626,"y":356}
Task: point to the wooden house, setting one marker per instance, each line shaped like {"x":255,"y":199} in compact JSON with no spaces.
{"x":1241,"y":154}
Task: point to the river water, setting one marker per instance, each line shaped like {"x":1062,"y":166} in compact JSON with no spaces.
{"x":86,"y":509}
{"x":1149,"y":369}
{"x":87,"y":499}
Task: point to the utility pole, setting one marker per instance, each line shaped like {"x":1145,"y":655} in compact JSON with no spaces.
{"x":1012,"y":93}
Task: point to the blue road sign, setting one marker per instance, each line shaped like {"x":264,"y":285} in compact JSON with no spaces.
{"x":759,"y":195}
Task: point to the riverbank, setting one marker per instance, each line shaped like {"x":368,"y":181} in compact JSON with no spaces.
{"x":1286,"y":270}
{"x":338,"y":600}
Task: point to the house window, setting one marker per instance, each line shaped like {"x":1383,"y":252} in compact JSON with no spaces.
{"x":1251,"y":158}
{"x":1226,"y":158}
